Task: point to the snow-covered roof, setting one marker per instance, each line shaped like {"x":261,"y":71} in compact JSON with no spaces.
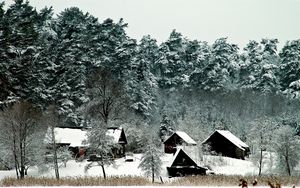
{"x":185,"y":137}
{"x":232,"y":138}
{"x":115,"y":134}
{"x":75,"y":137}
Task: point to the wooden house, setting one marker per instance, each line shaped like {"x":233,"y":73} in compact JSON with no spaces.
{"x":225,"y":143}
{"x":178,"y":138}
{"x":183,"y":165}
{"x":74,"y":137}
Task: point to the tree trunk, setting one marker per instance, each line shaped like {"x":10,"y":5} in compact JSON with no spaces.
{"x":22,"y":141}
{"x":103,"y":170}
{"x":261,"y":154}
{"x":22,"y":172}
{"x":288,"y":168}
{"x":152,"y":166}
{"x":54,"y":153}
{"x":26,"y":171}
{"x":15,"y":155}
{"x":260,"y":161}
{"x":22,"y":165}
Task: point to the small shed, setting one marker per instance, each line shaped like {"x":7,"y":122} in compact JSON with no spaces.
{"x":178,"y":138}
{"x":183,"y":165}
{"x":225,"y":143}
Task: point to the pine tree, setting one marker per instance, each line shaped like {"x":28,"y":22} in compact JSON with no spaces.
{"x":19,"y":51}
{"x":198,"y":59}
{"x":290,"y":69}
{"x":68,"y":63}
{"x":151,"y":162}
{"x":166,"y":128}
{"x":268,"y":82}
{"x":250,"y":65}
{"x":113,"y":49}
{"x":142,"y":85}
{"x":4,"y":84}
{"x":171,"y":67}
{"x":221,"y":71}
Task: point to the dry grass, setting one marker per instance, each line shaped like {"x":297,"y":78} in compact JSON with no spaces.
{"x":76,"y":181}
{"x":211,"y":180}
{"x":221,"y":180}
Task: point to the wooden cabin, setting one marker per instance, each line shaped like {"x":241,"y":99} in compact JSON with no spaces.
{"x":225,"y":143}
{"x":178,"y":138}
{"x":74,"y":137}
{"x":183,"y":165}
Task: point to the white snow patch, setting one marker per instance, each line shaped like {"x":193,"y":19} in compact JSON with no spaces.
{"x":230,"y":166}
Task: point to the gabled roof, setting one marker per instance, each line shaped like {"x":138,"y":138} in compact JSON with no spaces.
{"x":180,"y":151}
{"x":75,"y":137}
{"x":115,"y":133}
{"x":185,"y":137}
{"x":232,"y":138}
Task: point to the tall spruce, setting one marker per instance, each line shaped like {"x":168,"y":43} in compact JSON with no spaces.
{"x":221,"y":71}
{"x":290,"y":69}
{"x":250,"y":65}
{"x":19,"y":51}
{"x":69,"y":62}
{"x":142,"y":84}
{"x":171,"y":66}
{"x":268,"y":82}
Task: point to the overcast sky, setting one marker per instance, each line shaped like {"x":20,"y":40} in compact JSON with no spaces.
{"x":207,"y":20}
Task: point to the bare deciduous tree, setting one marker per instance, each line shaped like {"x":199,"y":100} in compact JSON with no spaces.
{"x":22,"y":135}
{"x":287,"y":147}
{"x":52,"y":120}
{"x":261,"y":138}
{"x":107,"y":97}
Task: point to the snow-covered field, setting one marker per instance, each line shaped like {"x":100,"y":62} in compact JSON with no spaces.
{"x":220,"y":165}
{"x":149,"y":186}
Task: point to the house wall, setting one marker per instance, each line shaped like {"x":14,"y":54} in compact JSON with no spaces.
{"x":185,"y":171}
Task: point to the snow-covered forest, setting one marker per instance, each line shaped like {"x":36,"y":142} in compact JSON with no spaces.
{"x":72,"y":70}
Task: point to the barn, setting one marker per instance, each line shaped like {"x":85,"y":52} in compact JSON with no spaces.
{"x":178,"y":138}
{"x":225,"y":143}
{"x":183,"y":165}
{"x":73,"y":137}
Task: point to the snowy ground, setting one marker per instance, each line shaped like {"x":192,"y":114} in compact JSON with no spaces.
{"x":220,"y":165}
{"x":153,"y":186}
{"x":230,"y":166}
